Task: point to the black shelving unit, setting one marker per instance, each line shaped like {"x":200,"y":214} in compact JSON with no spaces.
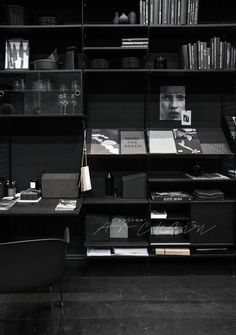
{"x":124,"y":99}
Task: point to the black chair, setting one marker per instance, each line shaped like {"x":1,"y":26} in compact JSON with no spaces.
{"x":30,"y":264}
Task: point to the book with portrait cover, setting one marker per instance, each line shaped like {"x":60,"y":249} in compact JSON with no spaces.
{"x":186,"y":141}
{"x":104,"y":142}
{"x":132,"y":142}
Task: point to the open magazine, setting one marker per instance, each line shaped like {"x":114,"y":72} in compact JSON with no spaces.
{"x":6,"y":203}
{"x":66,"y":205}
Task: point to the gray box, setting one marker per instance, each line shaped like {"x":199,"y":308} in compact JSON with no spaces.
{"x":60,"y":185}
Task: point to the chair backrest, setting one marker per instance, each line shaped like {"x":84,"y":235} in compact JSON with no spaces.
{"x":26,"y":265}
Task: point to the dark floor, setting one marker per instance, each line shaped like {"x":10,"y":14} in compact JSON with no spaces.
{"x":177,"y":298}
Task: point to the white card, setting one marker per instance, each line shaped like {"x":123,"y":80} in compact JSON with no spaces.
{"x":186,"y":117}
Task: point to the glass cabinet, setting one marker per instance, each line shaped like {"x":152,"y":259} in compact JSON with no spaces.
{"x":41,"y":93}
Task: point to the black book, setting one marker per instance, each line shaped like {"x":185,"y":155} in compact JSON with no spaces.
{"x":171,"y":196}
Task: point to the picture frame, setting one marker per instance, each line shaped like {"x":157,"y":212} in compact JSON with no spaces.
{"x":172,"y":102}
{"x":17,"y":54}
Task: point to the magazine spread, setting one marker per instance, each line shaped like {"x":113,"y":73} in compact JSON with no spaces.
{"x":6,"y":204}
{"x":105,"y":142}
{"x":66,"y":205}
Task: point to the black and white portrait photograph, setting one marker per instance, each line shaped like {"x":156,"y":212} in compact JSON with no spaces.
{"x":172,"y":102}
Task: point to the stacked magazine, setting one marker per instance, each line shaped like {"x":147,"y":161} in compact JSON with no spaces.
{"x":66,"y":205}
{"x":6,"y":203}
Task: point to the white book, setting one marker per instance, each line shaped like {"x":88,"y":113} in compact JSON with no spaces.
{"x":161,"y":142}
{"x":175,"y":251}
{"x":98,"y":252}
{"x":130,"y":251}
{"x":158,"y":214}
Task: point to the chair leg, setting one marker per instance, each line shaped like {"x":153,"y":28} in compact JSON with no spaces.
{"x":61,"y":298}
{"x":61,"y":308}
{"x":52,"y":309}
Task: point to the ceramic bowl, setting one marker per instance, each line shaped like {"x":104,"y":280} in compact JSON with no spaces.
{"x":45,"y":64}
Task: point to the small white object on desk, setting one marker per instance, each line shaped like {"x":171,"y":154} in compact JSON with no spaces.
{"x":66,"y":205}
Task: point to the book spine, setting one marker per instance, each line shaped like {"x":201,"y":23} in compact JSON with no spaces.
{"x":183,"y":11}
{"x":188,"y":11}
{"x":156,"y":12}
{"x":199,"y":54}
{"x":195,"y":56}
{"x":221,"y":56}
{"x":151,"y":13}
{"x":141,"y":11}
{"x":160,"y":15}
{"x":190,"y":56}
{"x":204,"y":55}
{"x":172,"y":12}
{"x":184,"y":57}
{"x":208,"y":58}
{"x":196,"y":11}
{"x":147,"y":19}
{"x":175,"y":11}
{"x":165,"y":12}
{"x":144,"y":12}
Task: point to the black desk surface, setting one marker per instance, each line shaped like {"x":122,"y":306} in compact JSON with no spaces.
{"x":43,"y":207}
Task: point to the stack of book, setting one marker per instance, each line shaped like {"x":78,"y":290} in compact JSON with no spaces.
{"x":210,"y":194}
{"x":141,"y":42}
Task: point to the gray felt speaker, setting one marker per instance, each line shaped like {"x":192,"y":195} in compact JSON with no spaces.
{"x":60,"y":185}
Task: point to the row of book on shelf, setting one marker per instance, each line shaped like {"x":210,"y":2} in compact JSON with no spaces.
{"x":138,"y":252}
{"x":179,"y":140}
{"x":212,"y":55}
{"x":174,"y":12}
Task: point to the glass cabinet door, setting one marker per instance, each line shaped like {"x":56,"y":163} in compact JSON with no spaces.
{"x":41,"y":93}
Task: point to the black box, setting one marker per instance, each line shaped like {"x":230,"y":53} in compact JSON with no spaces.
{"x":134,"y":186}
{"x":97,"y":227}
